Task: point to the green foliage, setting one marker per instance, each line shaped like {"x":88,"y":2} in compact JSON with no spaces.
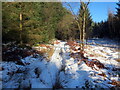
{"x":65,"y":27}
{"x":88,"y":19}
{"x":118,"y":10}
{"x":39,"y":21}
{"x":117,"y":21}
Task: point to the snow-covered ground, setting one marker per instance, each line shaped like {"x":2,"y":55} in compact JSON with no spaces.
{"x":105,"y":42}
{"x":63,"y":71}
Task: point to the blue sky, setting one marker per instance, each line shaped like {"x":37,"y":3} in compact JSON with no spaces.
{"x":98,"y":10}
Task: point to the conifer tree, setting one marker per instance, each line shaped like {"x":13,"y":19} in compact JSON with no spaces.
{"x":84,"y":21}
{"x":117,"y":25}
{"x":118,"y":10}
{"x":31,"y":22}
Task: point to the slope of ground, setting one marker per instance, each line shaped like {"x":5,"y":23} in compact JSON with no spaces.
{"x":64,"y":71}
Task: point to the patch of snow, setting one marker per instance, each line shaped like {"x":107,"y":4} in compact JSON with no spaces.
{"x":38,"y":73}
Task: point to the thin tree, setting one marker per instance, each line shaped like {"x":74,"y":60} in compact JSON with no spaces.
{"x":81,"y":28}
{"x":111,"y":22}
{"x":83,"y":8}
{"x":21,"y":28}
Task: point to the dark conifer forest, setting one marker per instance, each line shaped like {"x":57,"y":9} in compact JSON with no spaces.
{"x":41,"y":22}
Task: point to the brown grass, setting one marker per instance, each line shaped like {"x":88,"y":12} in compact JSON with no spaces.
{"x":117,"y":50}
{"x":118,"y":60}
{"x":114,"y":82}
{"x":96,"y":54}
{"x":42,"y":52}
{"x":50,"y":52}
{"x":102,"y":74}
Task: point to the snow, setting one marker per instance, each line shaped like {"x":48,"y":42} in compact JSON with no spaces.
{"x":39,"y":73}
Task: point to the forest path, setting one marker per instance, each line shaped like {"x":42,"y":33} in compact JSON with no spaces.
{"x":62,"y":70}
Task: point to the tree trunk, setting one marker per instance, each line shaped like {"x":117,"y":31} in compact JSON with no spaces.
{"x":83,"y":31}
{"x":21,"y":29}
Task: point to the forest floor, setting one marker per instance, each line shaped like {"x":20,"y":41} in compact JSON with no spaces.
{"x":63,"y":68}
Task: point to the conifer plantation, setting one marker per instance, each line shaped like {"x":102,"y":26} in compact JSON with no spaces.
{"x":39,"y":21}
{"x":52,"y":45}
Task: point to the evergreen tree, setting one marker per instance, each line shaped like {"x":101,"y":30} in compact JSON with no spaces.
{"x":118,"y":10}
{"x":85,"y":14}
{"x":64,"y":31}
{"x":117,"y":21}
{"x":17,"y":20}
{"x":31,"y":22}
